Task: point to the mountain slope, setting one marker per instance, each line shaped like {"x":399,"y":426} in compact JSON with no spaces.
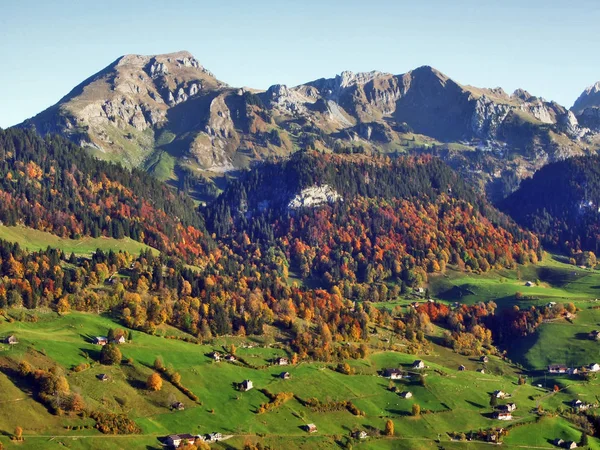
{"x":52,"y":185}
{"x":587,"y":107}
{"x":170,"y":116}
{"x":561,"y":203}
{"x":353,"y":219}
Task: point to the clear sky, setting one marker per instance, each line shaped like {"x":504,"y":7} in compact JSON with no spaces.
{"x":548,"y":47}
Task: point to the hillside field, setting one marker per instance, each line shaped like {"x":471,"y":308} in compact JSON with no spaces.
{"x":455,"y":401}
{"x":35,"y":240}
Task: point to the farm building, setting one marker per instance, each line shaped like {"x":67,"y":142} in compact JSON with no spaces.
{"x":311,"y":428}
{"x":175,"y":440}
{"x":462,"y":368}
{"x":580,"y":406}
{"x":418,"y":364}
{"x":509,"y":407}
{"x":406,"y":394}
{"x":484,"y":359}
{"x":499,"y":415}
{"x":100,"y":340}
{"x":393,"y":374}
{"x":246,"y":385}
{"x":118,"y":340}
{"x":102,"y":377}
{"x":230,"y":358}
{"x":557,"y":368}
{"x":285,"y":375}
{"x":360,"y":434}
{"x":594,"y":367}
{"x":11,"y":340}
{"x":499,"y":394}
{"x":216,"y":356}
{"x":178,"y":406}
{"x":281,"y":361}
{"x":214,"y":437}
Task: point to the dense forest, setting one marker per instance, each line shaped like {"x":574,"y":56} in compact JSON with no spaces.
{"x":561,"y":204}
{"x":334,"y":266}
{"x":51,"y":185}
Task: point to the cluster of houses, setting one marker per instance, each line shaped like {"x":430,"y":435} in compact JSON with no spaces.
{"x":503,"y":412}
{"x":484,"y":359}
{"x":564,"y":444}
{"x":562,"y":369}
{"x":398,"y":374}
{"x":578,"y":405}
{"x":177,"y":440}
{"x":103,"y":340}
{"x":216,"y":356}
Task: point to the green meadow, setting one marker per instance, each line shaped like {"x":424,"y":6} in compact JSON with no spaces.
{"x":35,"y":240}
{"x":450,"y":400}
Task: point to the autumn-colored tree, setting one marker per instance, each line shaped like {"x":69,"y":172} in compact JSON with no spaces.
{"x":154,"y":382}
{"x":24,"y":368}
{"x":63,"y":306}
{"x":389,"y":428}
{"x":110,"y":355}
{"x":19,"y":433}
{"x":77,"y":403}
{"x":158,"y":364}
{"x":416,"y":409}
{"x":556,"y":388}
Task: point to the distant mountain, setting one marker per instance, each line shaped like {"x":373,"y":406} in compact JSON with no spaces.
{"x":589,"y":98}
{"x":561,"y":203}
{"x":172,"y":117}
{"x":587,"y":108}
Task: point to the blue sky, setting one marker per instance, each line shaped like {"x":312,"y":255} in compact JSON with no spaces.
{"x":547,"y":47}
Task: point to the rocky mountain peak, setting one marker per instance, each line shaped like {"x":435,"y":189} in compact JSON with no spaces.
{"x":590,"y":97}
{"x":523,"y":95}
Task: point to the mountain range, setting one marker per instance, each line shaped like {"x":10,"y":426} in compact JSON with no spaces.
{"x":172,"y":117}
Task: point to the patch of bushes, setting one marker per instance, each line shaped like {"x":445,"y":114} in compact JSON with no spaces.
{"x":110,"y":423}
{"x":331,"y":406}
{"x":275,"y":400}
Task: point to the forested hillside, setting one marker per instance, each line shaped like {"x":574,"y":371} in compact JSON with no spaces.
{"x":388,"y":225}
{"x":561,"y":203}
{"x":52,"y":185}
{"x":396,"y":219}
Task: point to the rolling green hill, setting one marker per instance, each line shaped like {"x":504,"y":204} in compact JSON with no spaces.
{"x":34,"y":240}
{"x":457,"y":401}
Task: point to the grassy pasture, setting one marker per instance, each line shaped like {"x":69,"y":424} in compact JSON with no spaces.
{"x":35,"y":240}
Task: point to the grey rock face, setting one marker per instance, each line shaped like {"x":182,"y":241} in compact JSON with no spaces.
{"x":488,"y":117}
